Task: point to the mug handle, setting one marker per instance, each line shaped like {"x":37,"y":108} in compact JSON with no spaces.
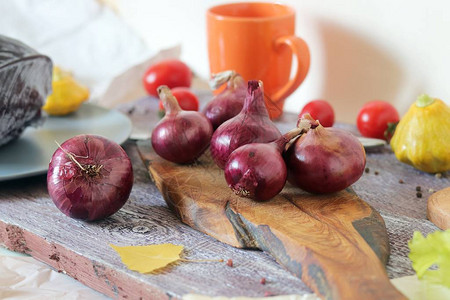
{"x":301,"y":50}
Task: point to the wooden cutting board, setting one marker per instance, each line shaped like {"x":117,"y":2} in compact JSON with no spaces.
{"x":438,"y":208}
{"x":337,"y":244}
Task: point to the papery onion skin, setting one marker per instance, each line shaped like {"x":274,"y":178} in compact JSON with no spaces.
{"x":181,"y":136}
{"x":256,"y":171}
{"x":251,"y":125}
{"x":91,"y":196}
{"x":325,"y":160}
{"x":227,"y":103}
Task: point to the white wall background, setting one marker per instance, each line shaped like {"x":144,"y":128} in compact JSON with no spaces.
{"x":361,"y":50}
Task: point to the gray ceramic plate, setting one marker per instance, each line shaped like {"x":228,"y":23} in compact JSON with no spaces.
{"x":31,"y":153}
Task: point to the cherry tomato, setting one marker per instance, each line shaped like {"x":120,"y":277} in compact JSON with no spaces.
{"x":186,"y":99}
{"x":374,"y":118}
{"x":320,"y":110}
{"x":173,"y":73}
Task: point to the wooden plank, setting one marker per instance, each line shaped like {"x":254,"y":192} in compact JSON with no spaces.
{"x":31,"y":223}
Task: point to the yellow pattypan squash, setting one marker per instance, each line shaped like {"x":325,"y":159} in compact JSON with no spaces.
{"x":67,"y":94}
{"x":422,"y":137}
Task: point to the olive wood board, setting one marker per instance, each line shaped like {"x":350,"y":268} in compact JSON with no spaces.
{"x":438,"y":208}
{"x":336,"y":243}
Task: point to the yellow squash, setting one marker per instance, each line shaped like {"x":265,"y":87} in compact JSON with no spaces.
{"x":67,"y":94}
{"x":422,"y":137}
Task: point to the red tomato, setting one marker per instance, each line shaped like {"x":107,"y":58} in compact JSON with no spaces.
{"x":320,"y":110}
{"x":374,"y":117}
{"x":173,"y":73}
{"x":186,"y":99}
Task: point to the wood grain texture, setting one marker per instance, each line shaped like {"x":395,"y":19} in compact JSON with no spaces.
{"x":45,"y":233}
{"x":326,"y":240}
{"x":146,"y":219}
{"x":31,"y":223}
{"x":438,"y":209}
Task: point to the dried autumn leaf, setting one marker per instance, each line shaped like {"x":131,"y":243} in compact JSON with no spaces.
{"x":145,"y":259}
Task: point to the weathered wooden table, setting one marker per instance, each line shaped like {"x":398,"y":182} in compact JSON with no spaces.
{"x":30,"y":223}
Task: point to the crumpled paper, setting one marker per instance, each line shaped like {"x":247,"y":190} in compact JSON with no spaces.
{"x":127,"y":94}
{"x":84,"y":37}
{"x":127,"y":86}
{"x":24,"y":278}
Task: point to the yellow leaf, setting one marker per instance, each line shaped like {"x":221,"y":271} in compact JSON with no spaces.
{"x":145,"y":259}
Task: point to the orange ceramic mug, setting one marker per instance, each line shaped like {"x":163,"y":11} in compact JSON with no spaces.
{"x":257,"y":40}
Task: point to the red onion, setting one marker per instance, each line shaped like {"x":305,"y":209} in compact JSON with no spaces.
{"x":325,"y":160}
{"x":229,"y":102}
{"x":257,"y":170}
{"x":181,"y":136}
{"x":251,"y":125}
{"x":89,"y":177}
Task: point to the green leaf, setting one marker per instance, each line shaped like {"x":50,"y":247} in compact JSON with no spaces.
{"x":433,"y":250}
